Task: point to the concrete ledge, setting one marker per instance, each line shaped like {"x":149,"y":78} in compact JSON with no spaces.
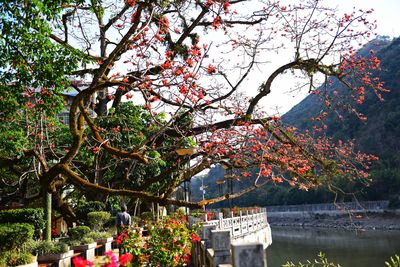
{"x":249,"y":255}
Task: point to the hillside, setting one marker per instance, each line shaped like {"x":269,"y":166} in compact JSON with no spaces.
{"x":379,"y":135}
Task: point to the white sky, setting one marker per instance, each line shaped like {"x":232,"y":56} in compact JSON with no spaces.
{"x":281,"y":100}
{"x":386,"y":12}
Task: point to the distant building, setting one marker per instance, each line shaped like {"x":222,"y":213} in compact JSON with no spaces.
{"x":63,"y":116}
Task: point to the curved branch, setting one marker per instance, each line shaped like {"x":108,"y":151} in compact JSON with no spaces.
{"x":265,"y":88}
{"x":231,"y":196}
{"x":95,"y":188}
{"x":218,"y":125}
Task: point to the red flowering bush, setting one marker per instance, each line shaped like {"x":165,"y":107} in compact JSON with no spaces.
{"x":169,"y":244}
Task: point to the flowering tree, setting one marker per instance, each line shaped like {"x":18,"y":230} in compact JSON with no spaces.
{"x":150,"y":77}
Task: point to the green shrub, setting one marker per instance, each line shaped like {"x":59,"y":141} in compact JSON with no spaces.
{"x":394,"y":261}
{"x":34,"y":217}
{"x":135,"y":219}
{"x":320,"y":261}
{"x":80,"y":235}
{"x":147,"y":216}
{"x":78,"y":232}
{"x":82,"y":241}
{"x":14,"y":258}
{"x":48,"y":247}
{"x":96,"y":235}
{"x":86,"y":207}
{"x":15,"y":235}
{"x":97,"y":219}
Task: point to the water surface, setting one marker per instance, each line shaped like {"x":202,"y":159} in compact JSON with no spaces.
{"x":347,"y":248}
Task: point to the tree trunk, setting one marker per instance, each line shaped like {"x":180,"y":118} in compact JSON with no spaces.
{"x":47,"y":214}
{"x":61,"y":206}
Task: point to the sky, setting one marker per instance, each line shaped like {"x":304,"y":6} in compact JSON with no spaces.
{"x":386,"y":12}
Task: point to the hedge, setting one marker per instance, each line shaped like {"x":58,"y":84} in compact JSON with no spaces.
{"x":31,"y":216}
{"x":84,"y":208}
{"x":78,"y":232}
{"x":14,"y":235}
{"x":97,"y":219}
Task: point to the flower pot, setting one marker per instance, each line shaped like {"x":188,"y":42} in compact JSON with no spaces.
{"x":105,"y":245}
{"x":87,"y":251}
{"x":34,"y":263}
{"x":58,"y":260}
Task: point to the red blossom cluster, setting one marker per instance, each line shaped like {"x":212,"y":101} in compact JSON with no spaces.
{"x":121,"y":237}
{"x":355,"y":67}
{"x":109,"y":261}
{"x":285,"y":150}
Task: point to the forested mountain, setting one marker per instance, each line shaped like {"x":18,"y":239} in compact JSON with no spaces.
{"x":378,"y":135}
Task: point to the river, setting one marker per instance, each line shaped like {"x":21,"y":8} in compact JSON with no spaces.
{"x":347,"y":248}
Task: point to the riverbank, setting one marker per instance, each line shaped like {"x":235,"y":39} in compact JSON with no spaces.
{"x":360,"y":221}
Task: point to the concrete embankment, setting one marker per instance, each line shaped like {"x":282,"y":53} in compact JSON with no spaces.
{"x":368,"y":215}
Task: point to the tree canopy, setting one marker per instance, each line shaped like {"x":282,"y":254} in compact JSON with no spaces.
{"x":149,"y":77}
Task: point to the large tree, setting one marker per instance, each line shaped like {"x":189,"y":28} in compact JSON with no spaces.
{"x":183,"y":69}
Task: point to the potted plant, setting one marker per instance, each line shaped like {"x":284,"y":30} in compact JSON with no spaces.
{"x":14,"y":246}
{"x":97,"y":220}
{"x":55,"y":253}
{"x":103,"y":239}
{"x":81,"y":243}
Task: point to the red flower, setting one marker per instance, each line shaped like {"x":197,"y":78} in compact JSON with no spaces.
{"x":246,"y":174}
{"x":187,"y":258}
{"x":131,"y":2}
{"x":183,"y":89}
{"x":209,"y":3}
{"x":216,"y":22}
{"x":176,"y":259}
{"x":54,"y":232}
{"x":121,"y":237}
{"x":211,"y":69}
{"x":166,"y":65}
{"x":169,"y":54}
{"x":111,"y":259}
{"x":115,"y":129}
{"x":80,"y":262}
{"x":226,"y":6}
{"x":125,"y":258}
{"x":96,"y":149}
{"x":190,"y":62}
{"x":195,"y":238}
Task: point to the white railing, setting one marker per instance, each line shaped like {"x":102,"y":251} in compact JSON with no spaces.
{"x":225,"y":239}
{"x":239,"y":226}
